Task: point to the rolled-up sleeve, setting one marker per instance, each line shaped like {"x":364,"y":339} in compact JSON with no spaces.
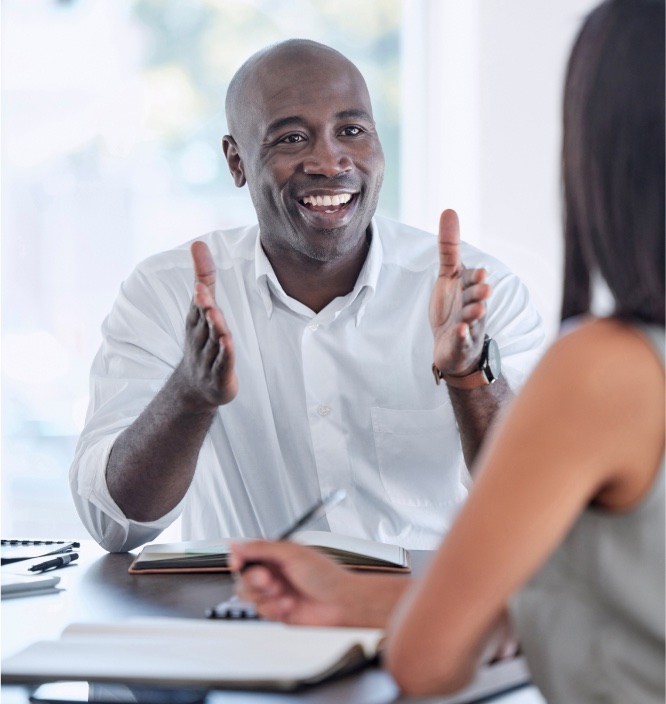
{"x":141,"y":346}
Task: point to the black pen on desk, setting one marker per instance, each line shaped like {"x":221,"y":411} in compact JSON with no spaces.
{"x":55,"y":563}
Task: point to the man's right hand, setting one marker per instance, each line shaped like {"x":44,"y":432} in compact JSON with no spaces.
{"x":152,"y":462}
{"x":207,"y":371}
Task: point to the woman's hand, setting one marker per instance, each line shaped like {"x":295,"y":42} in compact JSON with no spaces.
{"x":298,"y":585}
{"x":292,"y":583}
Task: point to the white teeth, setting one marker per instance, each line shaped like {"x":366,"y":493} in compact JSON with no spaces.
{"x":328,"y":200}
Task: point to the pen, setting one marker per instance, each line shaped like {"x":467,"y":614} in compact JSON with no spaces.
{"x":317,"y":511}
{"x":55,"y":563}
{"x":234,"y":608}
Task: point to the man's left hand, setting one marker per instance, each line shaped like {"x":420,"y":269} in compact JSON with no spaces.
{"x":457,"y":305}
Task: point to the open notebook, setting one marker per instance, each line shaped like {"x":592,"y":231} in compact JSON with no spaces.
{"x":212,"y":555}
{"x":195,"y":652}
{"x":260,"y":655}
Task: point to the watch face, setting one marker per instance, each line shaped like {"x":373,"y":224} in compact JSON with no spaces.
{"x":493,"y":359}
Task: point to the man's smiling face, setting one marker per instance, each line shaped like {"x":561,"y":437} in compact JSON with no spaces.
{"x":308,"y":148}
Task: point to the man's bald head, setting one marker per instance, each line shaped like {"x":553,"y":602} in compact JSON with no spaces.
{"x":301,"y":128}
{"x":304,"y":52}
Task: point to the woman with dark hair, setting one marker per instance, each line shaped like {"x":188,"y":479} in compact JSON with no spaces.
{"x":564,"y":527}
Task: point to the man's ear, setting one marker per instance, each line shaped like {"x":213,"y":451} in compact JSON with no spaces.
{"x":234,"y":160}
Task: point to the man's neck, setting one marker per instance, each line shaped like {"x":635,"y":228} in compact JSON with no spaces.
{"x":315,"y":283}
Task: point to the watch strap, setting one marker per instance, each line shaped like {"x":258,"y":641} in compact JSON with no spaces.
{"x":469,"y":381}
{"x":482,"y":376}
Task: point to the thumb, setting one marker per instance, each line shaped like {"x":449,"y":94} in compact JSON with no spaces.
{"x":204,"y":266}
{"x":449,"y":244}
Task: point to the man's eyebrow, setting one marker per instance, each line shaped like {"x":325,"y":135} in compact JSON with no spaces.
{"x":296,"y":121}
{"x":354,"y":115}
{"x":291,"y":121}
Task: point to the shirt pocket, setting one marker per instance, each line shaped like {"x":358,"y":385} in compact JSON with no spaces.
{"x":419,"y":456}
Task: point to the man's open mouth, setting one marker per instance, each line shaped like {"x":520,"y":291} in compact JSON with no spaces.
{"x":327,"y":203}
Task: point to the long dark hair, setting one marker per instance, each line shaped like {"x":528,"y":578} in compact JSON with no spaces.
{"x":613,"y":161}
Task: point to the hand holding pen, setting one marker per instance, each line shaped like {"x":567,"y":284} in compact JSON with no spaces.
{"x":234,"y":607}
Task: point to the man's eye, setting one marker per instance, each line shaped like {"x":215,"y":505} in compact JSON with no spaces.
{"x":292,"y":139}
{"x":351,"y":131}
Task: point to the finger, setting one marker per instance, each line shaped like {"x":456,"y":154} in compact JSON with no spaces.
{"x":213,"y":345}
{"x":224,"y":360}
{"x":196,"y":326}
{"x":203,"y":296}
{"x":193,"y":315}
{"x":476,"y":294}
{"x":257,"y":551}
{"x":450,"y":264}
{"x":473,"y":276}
{"x":472,"y":312}
{"x":464,"y":335}
{"x":258,"y":582}
{"x":204,"y":266}
{"x":215,"y":317}
{"x":281,"y":609}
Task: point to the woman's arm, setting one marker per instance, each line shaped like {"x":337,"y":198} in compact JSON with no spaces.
{"x":588,"y":425}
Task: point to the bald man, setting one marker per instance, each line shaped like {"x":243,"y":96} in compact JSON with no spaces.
{"x":246,"y":374}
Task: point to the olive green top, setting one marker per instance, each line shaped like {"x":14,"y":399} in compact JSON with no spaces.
{"x":591,"y":622}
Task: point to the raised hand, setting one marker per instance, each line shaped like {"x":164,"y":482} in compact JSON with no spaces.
{"x":457,"y":304}
{"x":207,"y":368}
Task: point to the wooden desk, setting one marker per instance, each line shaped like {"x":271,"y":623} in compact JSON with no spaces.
{"x":98,"y":588}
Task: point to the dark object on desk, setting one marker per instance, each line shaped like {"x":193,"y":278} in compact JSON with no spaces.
{"x":76,"y":692}
{"x":233,"y":608}
{"x":15,"y":550}
{"x":55,"y":563}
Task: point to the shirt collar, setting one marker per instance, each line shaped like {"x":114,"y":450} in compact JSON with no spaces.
{"x":364,"y":289}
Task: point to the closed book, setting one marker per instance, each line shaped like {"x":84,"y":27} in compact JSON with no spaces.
{"x":213,"y":555}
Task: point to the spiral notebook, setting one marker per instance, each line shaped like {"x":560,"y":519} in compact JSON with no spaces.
{"x":15,"y":549}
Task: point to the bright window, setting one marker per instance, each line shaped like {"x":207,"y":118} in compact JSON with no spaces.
{"x":112,"y":118}
{"x":112,"y":124}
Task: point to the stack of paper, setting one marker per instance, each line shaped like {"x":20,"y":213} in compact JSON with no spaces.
{"x":14,"y":585}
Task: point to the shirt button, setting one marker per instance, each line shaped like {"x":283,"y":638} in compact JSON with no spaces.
{"x":323,"y":410}
{"x":313,"y":326}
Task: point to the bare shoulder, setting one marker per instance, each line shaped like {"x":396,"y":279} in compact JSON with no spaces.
{"x":606,"y":356}
{"x":600,"y":391}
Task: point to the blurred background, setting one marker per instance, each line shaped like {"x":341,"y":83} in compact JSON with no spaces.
{"x":112,"y":117}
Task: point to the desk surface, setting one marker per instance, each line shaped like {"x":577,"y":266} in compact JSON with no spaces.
{"x":98,"y":588}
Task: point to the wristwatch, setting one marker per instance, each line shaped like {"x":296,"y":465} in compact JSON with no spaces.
{"x":489,"y":369}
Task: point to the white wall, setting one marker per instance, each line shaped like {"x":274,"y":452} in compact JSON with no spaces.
{"x":487,"y":143}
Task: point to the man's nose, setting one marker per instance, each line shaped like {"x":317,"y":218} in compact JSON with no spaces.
{"x":327,"y":157}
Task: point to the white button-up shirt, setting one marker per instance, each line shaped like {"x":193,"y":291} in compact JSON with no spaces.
{"x":343,"y":398}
